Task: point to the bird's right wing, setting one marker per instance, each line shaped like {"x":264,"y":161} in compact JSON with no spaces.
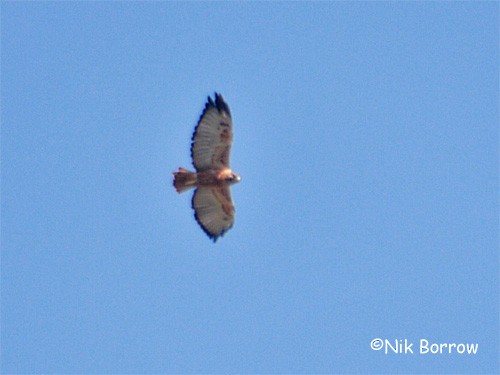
{"x":213,"y":210}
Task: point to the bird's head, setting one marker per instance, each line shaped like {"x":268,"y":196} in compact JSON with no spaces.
{"x":228,"y":177}
{"x":233,"y":178}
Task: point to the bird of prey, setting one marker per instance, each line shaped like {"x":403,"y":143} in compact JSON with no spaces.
{"x":210,"y":148}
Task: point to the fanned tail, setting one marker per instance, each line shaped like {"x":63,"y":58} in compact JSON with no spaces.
{"x":184,"y":180}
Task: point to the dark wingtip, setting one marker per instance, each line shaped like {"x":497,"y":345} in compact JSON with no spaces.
{"x":221,"y":105}
{"x":210,"y":102}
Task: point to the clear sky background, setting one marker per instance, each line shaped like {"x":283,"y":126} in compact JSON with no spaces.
{"x":366,"y":135}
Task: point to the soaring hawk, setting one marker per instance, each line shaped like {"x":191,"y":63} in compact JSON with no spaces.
{"x":210,"y":149}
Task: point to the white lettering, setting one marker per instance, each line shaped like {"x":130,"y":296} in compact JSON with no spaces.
{"x":435,"y":348}
{"x":388,"y":345}
{"x":408,"y":347}
{"x":424,"y":346}
{"x":472,"y":348}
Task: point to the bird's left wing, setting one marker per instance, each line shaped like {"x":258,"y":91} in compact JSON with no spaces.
{"x":213,"y":210}
{"x":213,"y":136}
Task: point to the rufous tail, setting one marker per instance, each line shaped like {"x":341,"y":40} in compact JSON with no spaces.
{"x":184,"y":180}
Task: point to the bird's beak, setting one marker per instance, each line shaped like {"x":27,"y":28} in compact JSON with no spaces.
{"x":238,"y":178}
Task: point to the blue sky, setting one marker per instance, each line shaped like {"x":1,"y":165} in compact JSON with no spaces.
{"x":366,"y":135}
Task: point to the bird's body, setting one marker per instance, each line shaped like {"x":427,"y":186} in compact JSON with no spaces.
{"x":212,"y":139}
{"x":184,"y":179}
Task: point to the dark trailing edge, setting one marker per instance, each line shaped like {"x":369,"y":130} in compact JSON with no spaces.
{"x":213,"y":237}
{"x":220,"y":105}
